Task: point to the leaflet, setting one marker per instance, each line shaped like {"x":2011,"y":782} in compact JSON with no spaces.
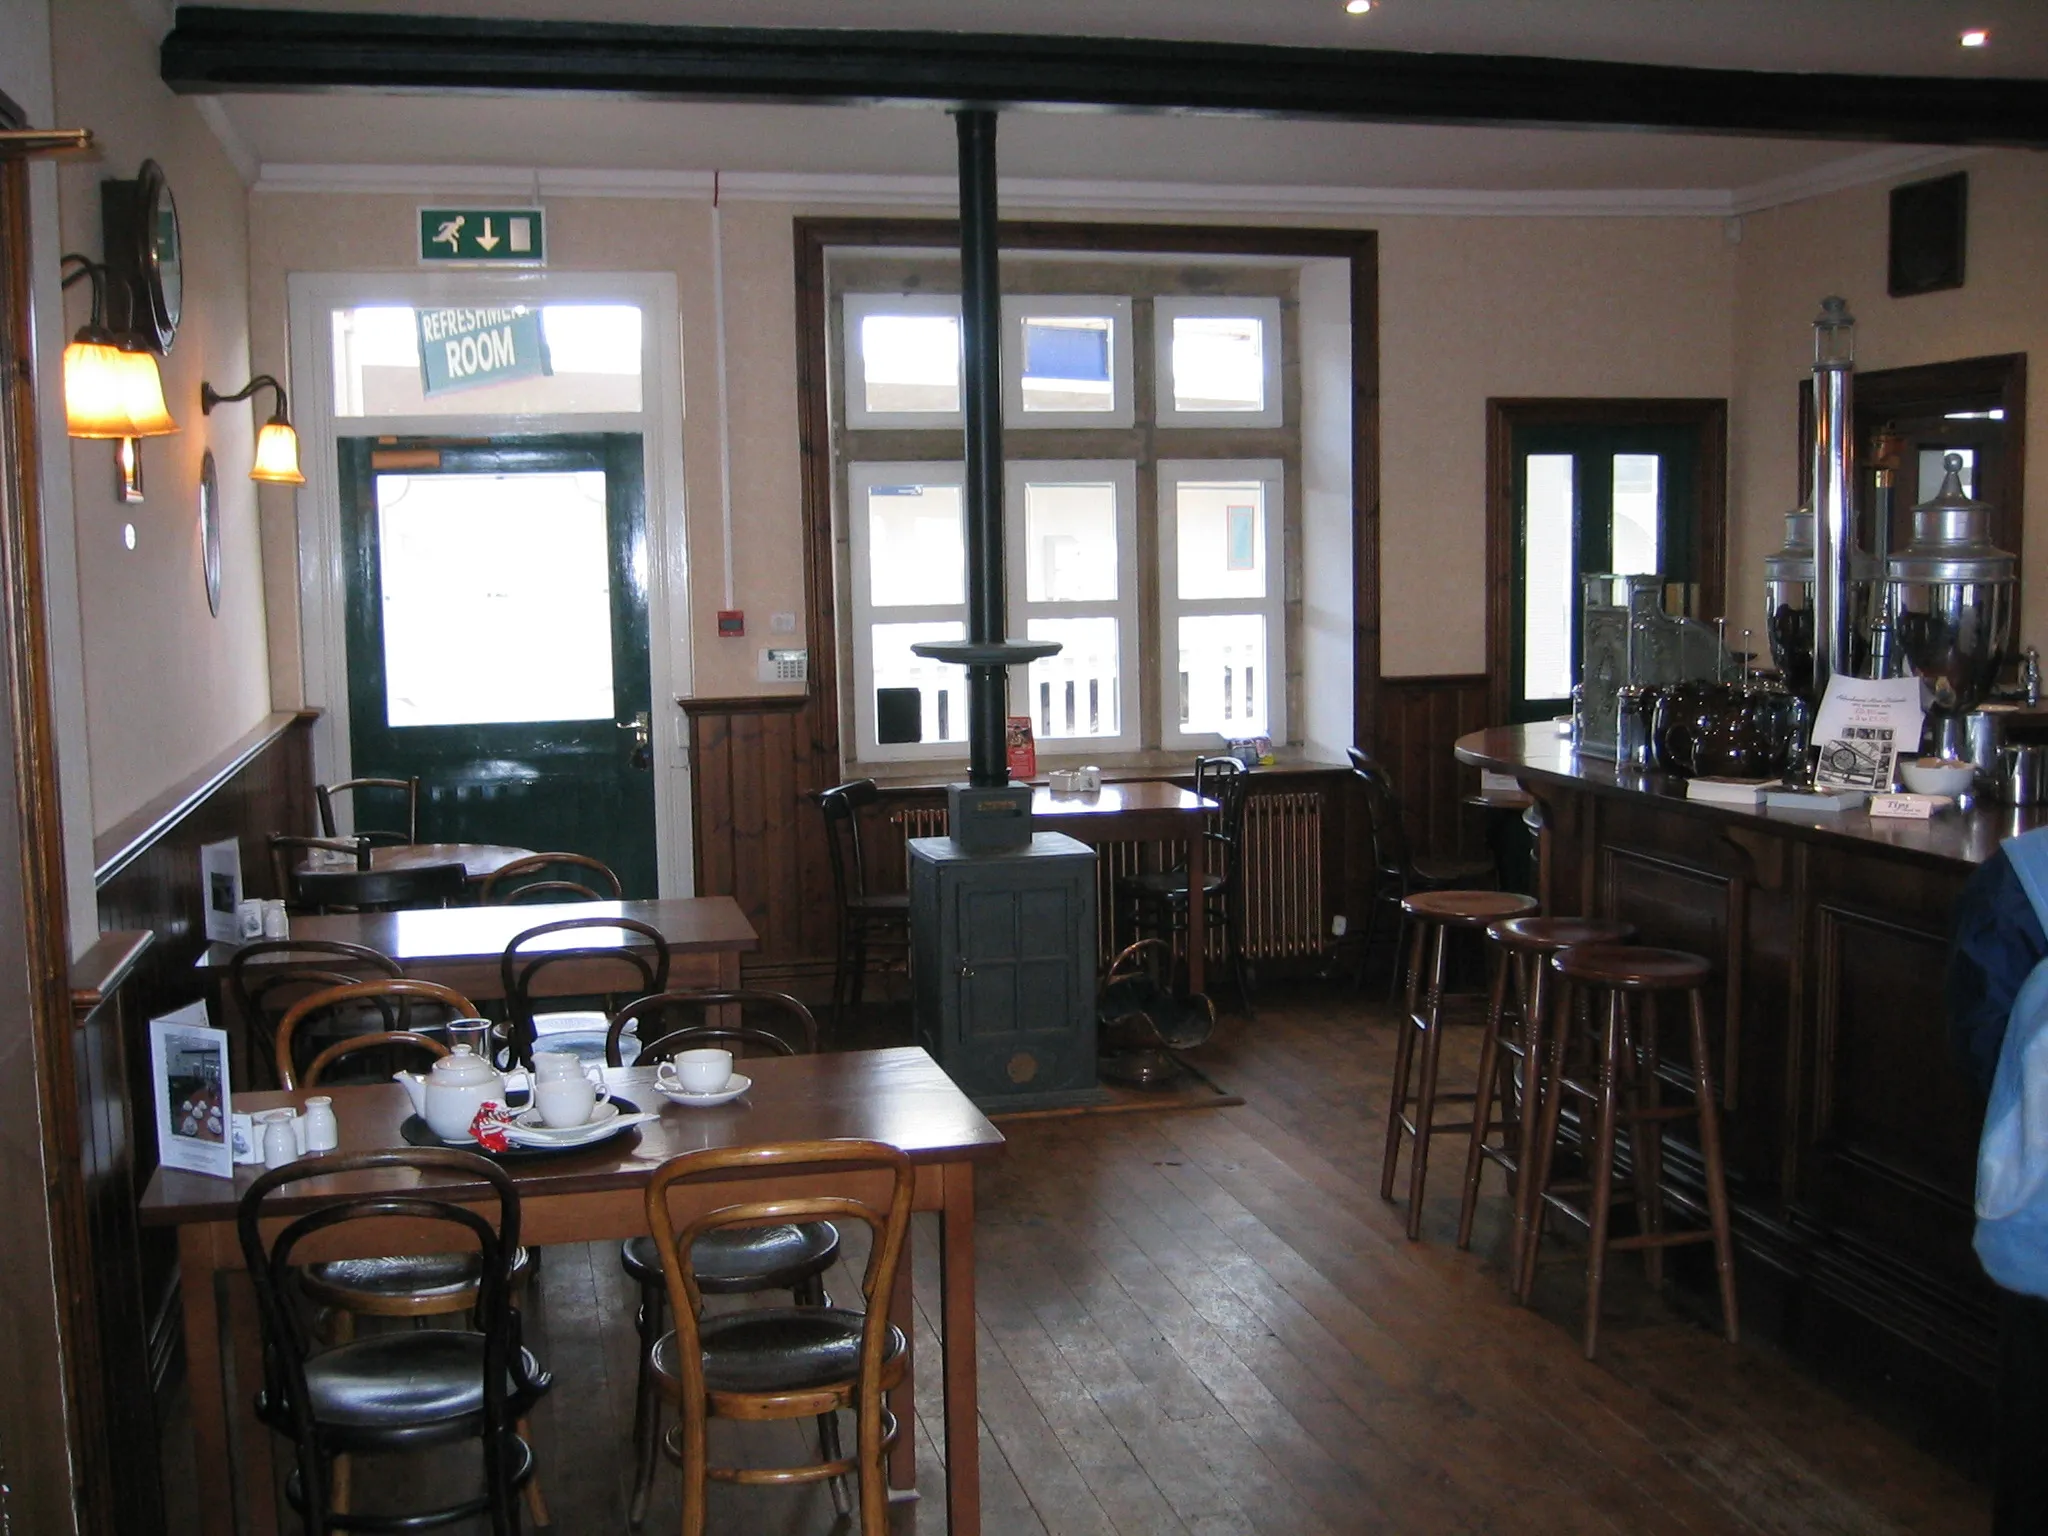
{"x":1865,"y":725}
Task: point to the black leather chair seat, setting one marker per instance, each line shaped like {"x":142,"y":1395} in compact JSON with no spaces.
{"x":423,"y":1275}
{"x":731,"y":1260}
{"x":885,"y":904}
{"x":777,"y":1349}
{"x":411,"y":1384}
{"x":1170,"y":884}
{"x":1453,"y":872}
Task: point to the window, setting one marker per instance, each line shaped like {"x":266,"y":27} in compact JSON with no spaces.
{"x":1072,"y":545}
{"x":1072,"y":359}
{"x":1218,"y":362}
{"x":1221,"y":599}
{"x":902,"y":360}
{"x":909,"y":580}
{"x":594,"y":360}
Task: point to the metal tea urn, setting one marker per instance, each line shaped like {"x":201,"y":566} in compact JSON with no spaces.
{"x":1790,"y":602}
{"x":1952,"y":597}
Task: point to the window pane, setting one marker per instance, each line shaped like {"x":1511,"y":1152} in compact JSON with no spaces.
{"x":496,"y":597}
{"x":1067,"y":363}
{"x":1547,"y":577}
{"x":943,"y":685}
{"x":917,"y":554}
{"x":1220,"y":536}
{"x":910,"y":362}
{"x":1070,"y":543}
{"x":593,"y":354}
{"x":1223,"y":674}
{"x":1219,"y":363}
{"x":1637,"y":492}
{"x":1075,"y":692}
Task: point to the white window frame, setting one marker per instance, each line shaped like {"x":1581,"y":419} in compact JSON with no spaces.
{"x":1271,"y":476}
{"x":1165,"y":310}
{"x":1123,"y":474}
{"x":856,"y":307}
{"x":860,"y":479}
{"x":1017,"y":308}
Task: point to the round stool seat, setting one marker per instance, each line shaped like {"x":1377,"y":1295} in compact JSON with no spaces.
{"x":1468,"y":909}
{"x":1541,"y":935}
{"x":1637,"y":969}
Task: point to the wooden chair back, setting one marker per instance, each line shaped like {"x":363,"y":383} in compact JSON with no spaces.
{"x":1228,"y":782}
{"x":518,"y":969}
{"x":380,"y":890}
{"x":291,"y":969}
{"x":1385,"y":827}
{"x":693,"y":1037}
{"x":551,"y":877}
{"x":288,"y":852}
{"x":395,"y":996}
{"x":842,"y":805}
{"x":324,"y":795}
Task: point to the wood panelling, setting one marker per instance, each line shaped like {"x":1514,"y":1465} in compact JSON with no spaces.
{"x":1420,"y":720}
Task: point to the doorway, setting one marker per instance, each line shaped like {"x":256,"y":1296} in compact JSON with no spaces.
{"x":1579,"y":487}
{"x":497,"y":639}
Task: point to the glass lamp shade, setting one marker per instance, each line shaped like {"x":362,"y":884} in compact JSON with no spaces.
{"x":148,"y":416}
{"x":113,"y":393}
{"x":277,"y":455}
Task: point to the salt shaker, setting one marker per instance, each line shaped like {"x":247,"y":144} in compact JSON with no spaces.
{"x":323,"y":1134}
{"x":280,"y":1142}
{"x":276,"y":925}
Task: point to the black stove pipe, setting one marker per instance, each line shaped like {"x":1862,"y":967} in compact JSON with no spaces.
{"x":982,"y":339}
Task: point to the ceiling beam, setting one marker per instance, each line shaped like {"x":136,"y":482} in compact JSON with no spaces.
{"x":217,"y":49}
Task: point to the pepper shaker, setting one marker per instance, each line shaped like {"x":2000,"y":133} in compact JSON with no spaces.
{"x":323,"y":1133}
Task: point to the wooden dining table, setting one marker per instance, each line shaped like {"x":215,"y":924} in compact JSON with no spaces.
{"x":1141,"y":811}
{"x":479,"y":861}
{"x":897,"y":1096}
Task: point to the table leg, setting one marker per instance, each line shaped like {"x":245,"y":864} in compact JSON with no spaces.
{"x":956,"y":1305}
{"x":1198,"y":906}
{"x":213,"y":1472}
{"x":903,"y":1397}
{"x":256,"y":1478}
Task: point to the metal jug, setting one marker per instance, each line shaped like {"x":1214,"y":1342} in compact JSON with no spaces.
{"x":2023,"y":775}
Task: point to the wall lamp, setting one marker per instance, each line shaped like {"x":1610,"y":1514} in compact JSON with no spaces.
{"x":112,"y":386}
{"x":277,"y":445}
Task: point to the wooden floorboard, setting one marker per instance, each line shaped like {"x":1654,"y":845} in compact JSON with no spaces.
{"x":1207,"y":1323}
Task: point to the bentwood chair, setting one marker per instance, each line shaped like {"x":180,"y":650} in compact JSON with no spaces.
{"x":1159,"y":899}
{"x":865,"y":917}
{"x":400,"y":1000}
{"x":550,"y":877}
{"x":610,"y":969}
{"x":292,"y":968}
{"x":410,"y":788}
{"x":1397,"y":871}
{"x":730,"y":1261}
{"x":763,"y":1363}
{"x":396,"y":1392}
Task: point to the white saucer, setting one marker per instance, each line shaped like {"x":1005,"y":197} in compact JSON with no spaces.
{"x":734,"y":1087}
{"x":533,"y":1130}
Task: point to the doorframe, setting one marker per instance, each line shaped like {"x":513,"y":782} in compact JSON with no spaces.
{"x":313,"y":296}
{"x":1708,"y":417}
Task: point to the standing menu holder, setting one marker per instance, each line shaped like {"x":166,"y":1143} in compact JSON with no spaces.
{"x":194,"y":1115}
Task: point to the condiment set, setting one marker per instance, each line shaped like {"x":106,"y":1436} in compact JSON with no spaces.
{"x":274,"y":1137}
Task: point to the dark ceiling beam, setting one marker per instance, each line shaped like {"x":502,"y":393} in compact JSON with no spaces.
{"x":216,"y":49}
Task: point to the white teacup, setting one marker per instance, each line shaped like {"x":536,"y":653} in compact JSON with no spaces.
{"x":699,"y":1071}
{"x":566,"y":1100}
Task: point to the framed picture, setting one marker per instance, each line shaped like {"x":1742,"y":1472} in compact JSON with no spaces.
{"x":1929,"y":234}
{"x":220,"y":878}
{"x":194,"y":1114}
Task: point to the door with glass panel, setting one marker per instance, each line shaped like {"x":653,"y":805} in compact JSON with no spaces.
{"x":1587,"y":500}
{"x":497,"y":639}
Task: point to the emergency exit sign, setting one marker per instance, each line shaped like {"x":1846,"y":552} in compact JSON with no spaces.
{"x":487,"y":237}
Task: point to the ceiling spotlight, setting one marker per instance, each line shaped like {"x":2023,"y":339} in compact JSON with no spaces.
{"x":1358,"y":7}
{"x":1976,"y":37}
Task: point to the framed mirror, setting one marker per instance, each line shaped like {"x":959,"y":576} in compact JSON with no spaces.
{"x":145,"y":253}
{"x":209,"y":531}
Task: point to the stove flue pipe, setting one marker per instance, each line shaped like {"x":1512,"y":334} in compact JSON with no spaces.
{"x":981,"y":330}
{"x":1834,"y":499}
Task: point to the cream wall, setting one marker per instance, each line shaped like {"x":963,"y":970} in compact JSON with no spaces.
{"x":167,"y":685}
{"x":1469,"y":308}
{"x":1792,"y":257}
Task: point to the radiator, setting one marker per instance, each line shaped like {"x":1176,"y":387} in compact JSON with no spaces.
{"x":1283,"y":868}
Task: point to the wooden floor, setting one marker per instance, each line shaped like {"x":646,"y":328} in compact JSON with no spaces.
{"x":1208,"y":1322}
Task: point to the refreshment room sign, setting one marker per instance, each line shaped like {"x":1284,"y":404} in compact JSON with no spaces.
{"x":463,"y":348}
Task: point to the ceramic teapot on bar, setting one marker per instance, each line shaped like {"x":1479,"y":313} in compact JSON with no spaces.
{"x":448,"y":1097}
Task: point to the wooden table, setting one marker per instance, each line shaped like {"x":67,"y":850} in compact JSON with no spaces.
{"x":1142,"y":811}
{"x":896,"y":1096}
{"x":479,"y":861}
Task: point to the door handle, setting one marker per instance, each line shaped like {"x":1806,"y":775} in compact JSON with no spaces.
{"x":642,"y":727}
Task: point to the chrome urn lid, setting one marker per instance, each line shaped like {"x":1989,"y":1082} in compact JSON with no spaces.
{"x":1795,"y":561}
{"x":1952,"y":539}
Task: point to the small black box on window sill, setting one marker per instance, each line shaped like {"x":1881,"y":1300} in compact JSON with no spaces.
{"x":899,"y":715}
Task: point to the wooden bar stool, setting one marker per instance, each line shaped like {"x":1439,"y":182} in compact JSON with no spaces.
{"x":1511,"y":1060}
{"x":1433,"y":915}
{"x":1628,"y":1058}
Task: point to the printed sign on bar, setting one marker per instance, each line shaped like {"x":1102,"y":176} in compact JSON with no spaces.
{"x":462,"y":348}
{"x":485,"y":237}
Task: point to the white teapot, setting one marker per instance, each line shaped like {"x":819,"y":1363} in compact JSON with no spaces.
{"x":448,"y":1098}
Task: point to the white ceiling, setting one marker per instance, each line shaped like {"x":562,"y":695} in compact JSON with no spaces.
{"x":587,"y":133}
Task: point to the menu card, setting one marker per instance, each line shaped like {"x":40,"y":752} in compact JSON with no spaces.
{"x":1865,"y":725}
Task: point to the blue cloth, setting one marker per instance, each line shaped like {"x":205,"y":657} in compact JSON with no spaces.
{"x":2012,"y":1158}
{"x":1996,"y":943}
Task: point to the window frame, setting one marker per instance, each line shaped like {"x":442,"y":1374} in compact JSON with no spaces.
{"x":1124,"y":607}
{"x":861,"y":477}
{"x":1272,"y":477}
{"x":855,"y":307}
{"x":1017,"y":308}
{"x":1166,"y":308}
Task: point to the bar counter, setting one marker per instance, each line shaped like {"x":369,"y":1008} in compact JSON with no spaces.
{"x":1851,"y":1135}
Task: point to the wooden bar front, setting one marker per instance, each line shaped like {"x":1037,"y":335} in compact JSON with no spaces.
{"x":1851,"y":1133}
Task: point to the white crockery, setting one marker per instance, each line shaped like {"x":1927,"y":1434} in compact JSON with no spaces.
{"x":1937,"y":776}
{"x":547,"y":1064}
{"x":567,"y":1101}
{"x":449,"y":1097}
{"x":735,"y":1085}
{"x":696,"y":1072}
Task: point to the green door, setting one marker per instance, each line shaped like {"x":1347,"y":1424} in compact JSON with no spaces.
{"x":1592,"y":499}
{"x":497,"y":639}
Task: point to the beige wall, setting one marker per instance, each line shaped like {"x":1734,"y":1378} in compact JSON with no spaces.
{"x":1792,"y":257}
{"x":167,"y":685}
